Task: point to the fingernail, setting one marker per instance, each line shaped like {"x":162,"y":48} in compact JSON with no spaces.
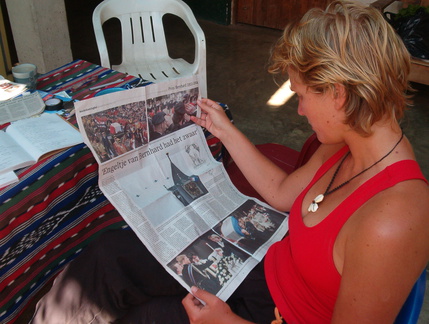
{"x":194,"y":289}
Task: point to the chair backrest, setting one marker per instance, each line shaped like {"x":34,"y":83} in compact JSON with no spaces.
{"x":410,"y":311}
{"x":144,"y":45}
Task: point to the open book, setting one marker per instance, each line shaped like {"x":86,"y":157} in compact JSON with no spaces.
{"x":28,"y":140}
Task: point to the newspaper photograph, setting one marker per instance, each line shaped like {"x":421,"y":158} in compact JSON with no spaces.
{"x":157,"y":170}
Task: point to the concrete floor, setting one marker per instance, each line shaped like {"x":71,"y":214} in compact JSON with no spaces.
{"x":236,"y":75}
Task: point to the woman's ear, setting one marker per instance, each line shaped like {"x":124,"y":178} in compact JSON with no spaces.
{"x":339,"y":95}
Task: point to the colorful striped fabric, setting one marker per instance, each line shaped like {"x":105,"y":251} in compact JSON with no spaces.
{"x":56,"y":208}
{"x":79,"y":77}
{"x":46,"y":219}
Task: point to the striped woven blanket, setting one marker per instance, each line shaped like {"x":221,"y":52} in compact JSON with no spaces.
{"x":46,"y":219}
{"x":79,"y":78}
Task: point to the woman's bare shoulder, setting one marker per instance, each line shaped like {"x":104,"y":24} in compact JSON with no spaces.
{"x":400,"y":212}
{"x":385,"y":249}
{"x":407,"y":197}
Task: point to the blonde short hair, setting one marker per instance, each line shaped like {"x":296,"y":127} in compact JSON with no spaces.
{"x":353,"y":45}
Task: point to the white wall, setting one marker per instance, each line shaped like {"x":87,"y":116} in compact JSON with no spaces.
{"x":40,"y":32}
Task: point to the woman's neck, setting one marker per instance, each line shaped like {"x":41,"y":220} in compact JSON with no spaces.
{"x":365,"y":151}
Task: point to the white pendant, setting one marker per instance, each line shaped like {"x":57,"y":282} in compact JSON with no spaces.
{"x":314,"y":204}
{"x":313,"y":207}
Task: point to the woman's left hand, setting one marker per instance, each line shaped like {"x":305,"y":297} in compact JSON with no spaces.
{"x":214,"y":311}
{"x":214,"y":119}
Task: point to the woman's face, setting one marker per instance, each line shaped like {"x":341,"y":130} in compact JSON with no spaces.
{"x":320,"y":109}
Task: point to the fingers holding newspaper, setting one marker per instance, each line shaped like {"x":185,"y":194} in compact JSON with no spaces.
{"x":210,"y":310}
{"x":213,"y":118}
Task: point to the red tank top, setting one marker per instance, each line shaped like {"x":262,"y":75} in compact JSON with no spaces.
{"x":300,"y":269}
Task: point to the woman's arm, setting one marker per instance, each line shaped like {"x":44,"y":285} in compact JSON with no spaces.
{"x":270,"y":181}
{"x":385,"y":251}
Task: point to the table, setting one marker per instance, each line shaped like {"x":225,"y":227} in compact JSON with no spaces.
{"x":56,"y":208}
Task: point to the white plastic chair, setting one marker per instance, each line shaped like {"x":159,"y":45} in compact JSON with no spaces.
{"x":144,"y":46}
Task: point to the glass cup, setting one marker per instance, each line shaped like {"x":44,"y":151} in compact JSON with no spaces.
{"x":25,"y":73}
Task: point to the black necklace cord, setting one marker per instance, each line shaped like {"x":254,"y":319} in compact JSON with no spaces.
{"x":327,"y":191}
{"x":314,"y":206}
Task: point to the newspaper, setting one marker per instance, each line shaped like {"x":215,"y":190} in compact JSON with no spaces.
{"x":21,"y":107}
{"x":9,"y":89}
{"x":171,"y":191}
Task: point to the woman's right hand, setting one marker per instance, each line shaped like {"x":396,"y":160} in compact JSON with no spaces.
{"x":213,"y":311}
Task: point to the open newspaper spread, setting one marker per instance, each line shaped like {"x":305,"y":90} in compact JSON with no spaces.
{"x":170,"y":190}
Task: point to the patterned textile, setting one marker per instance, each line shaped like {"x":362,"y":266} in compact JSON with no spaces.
{"x":46,"y":220}
{"x":56,"y":208}
{"x":79,"y":77}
